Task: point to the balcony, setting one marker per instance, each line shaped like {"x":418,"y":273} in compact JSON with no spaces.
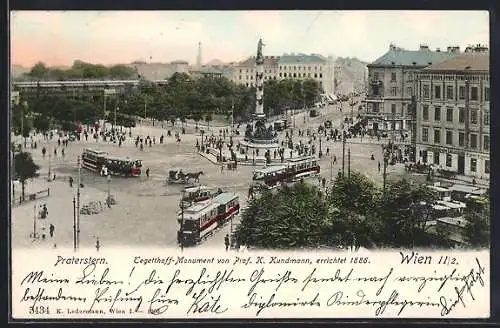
{"x":374,"y":98}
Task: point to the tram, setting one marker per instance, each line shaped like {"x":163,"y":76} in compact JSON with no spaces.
{"x":94,"y":160}
{"x":294,"y":170}
{"x":198,"y":221}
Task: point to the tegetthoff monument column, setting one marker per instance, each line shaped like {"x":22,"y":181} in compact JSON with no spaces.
{"x":259,"y":82}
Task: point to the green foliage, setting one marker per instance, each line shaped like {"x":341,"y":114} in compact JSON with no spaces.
{"x":477,"y":230}
{"x":81,"y":70}
{"x":24,"y":168}
{"x":291,"y":218}
{"x":356,"y":213}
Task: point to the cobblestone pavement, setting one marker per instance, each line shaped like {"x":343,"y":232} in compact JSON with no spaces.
{"x":145,"y":213}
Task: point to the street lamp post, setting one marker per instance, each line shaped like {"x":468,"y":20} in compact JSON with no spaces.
{"x":74,"y":224}
{"x":320,"y":149}
{"x":109,"y":187}
{"x":50,"y":164}
{"x":78,"y":203}
{"x":181,"y":233}
{"x":24,"y":106}
{"x":343,"y":152}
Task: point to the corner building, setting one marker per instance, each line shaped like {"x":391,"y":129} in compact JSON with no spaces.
{"x":453,"y":115}
{"x":391,"y":85}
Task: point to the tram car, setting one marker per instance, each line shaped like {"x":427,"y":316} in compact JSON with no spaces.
{"x":94,"y":160}
{"x":124,"y":166}
{"x":198,"y":221}
{"x":196,"y":194}
{"x":294,"y":170}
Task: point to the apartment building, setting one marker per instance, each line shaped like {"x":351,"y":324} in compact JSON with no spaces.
{"x":453,"y":114}
{"x":391,"y":85}
{"x":289,"y":66}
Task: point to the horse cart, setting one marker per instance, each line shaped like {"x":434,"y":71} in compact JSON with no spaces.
{"x":179,"y":177}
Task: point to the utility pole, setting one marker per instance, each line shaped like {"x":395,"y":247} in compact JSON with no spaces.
{"x":114,"y":125}
{"x":78,"y":203}
{"x":331,"y":170}
{"x":385,"y":173}
{"x":181,"y":234}
{"x":104,"y":106}
{"x":343,"y":152}
{"x":349,"y":163}
{"x":232,"y":117}
{"x":25,"y":104}
{"x":34,"y":221}
{"x":74,"y":224}
{"x":50,"y":164}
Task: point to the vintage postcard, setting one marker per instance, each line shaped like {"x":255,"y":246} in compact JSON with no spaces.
{"x":250,"y":164}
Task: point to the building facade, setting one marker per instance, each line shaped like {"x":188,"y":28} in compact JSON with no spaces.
{"x":391,"y":85}
{"x":289,"y":66}
{"x":453,"y":115}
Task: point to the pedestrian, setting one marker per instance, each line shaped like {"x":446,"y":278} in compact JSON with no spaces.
{"x":62,"y":152}
{"x":147,"y":172}
{"x":334,"y":159}
{"x":55,"y":151}
{"x":379,"y":166}
{"x":71,"y":182}
{"x":51,"y":230}
{"x":141,"y":147}
{"x":221,"y":168}
{"x":43,"y":152}
{"x":44,"y":212}
{"x":226,"y":242}
{"x":59,"y":142}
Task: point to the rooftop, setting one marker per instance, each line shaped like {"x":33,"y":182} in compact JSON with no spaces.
{"x":301,"y":59}
{"x":417,"y":58}
{"x":468,"y":62}
{"x":224,"y":198}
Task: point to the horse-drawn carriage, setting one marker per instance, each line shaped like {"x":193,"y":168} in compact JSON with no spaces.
{"x":447,"y":174}
{"x":179,"y":177}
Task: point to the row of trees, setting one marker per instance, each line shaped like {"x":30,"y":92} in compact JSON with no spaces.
{"x":355,"y":213}
{"x":182,"y":97}
{"x":81,"y":70}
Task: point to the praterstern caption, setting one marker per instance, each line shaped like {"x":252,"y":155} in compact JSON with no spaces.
{"x":193,"y":284}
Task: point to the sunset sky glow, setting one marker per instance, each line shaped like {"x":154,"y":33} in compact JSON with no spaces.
{"x":58,"y":38}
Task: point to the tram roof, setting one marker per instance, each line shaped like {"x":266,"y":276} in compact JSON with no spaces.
{"x":453,"y":205}
{"x":95,"y":151}
{"x":437,"y":188}
{"x":460,"y":221}
{"x":196,"y":188}
{"x":123,"y":159}
{"x":301,"y":159}
{"x":467,"y":189}
{"x":225,"y":197}
{"x":270,"y":169}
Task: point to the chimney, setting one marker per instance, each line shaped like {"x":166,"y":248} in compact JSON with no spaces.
{"x":453,"y":49}
{"x":424,"y":47}
{"x":438,"y":50}
{"x":392,"y":47}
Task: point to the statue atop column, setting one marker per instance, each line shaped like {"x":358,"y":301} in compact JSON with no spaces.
{"x":260,"y":57}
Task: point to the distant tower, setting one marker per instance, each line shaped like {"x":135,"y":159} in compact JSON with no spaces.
{"x":198,"y":58}
{"x":259,"y":81}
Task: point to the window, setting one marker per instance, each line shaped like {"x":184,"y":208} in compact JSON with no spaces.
{"x":425,"y":91}
{"x":409,"y":91}
{"x":315,"y":75}
{"x":240,"y":77}
{"x":486,"y":118}
{"x":240,"y":70}
{"x":437,"y":91}
{"x":425,"y":112}
{"x":473,"y":141}
{"x":461,"y":92}
{"x":393,"y":109}
{"x":425,"y":134}
{"x":284,"y":74}
{"x":486,"y":94}
{"x":437,"y":114}
{"x":473,"y":116}
{"x":461,"y":115}
{"x":437,"y":136}
{"x":375,"y":76}
{"x":461,"y":139}
{"x":436,"y":157}
{"x":486,"y":142}
{"x":294,"y":74}
{"x":474,"y":93}
{"x":449,"y":137}
{"x":281,"y":74}
{"x":321,"y":75}
{"x":449,"y":114}
{"x":393,"y":77}
{"x":394,"y":91}
{"x":449,"y":92}
{"x":473,"y":165}
{"x":448,"y":160}
{"x":487,"y":166}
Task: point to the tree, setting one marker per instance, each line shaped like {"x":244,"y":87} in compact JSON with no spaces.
{"x":38,"y":71}
{"x":292,"y":217}
{"x":477,"y":228}
{"x":355,"y":193}
{"x":25,"y":168}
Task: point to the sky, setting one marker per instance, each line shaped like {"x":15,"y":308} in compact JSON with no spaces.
{"x":57,"y":38}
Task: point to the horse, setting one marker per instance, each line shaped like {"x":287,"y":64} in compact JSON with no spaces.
{"x":194,"y":176}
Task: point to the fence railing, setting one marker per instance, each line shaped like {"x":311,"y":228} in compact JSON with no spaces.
{"x":18,"y":199}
